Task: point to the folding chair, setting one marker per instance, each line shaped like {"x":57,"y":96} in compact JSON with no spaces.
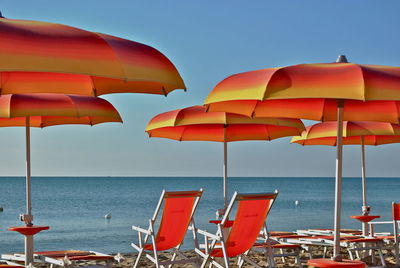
{"x":251,"y":214}
{"x":179,"y":208}
{"x":395,"y":222}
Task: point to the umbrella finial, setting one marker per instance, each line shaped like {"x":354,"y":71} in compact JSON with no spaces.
{"x":342,"y":58}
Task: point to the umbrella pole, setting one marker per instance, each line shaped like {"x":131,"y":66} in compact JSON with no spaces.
{"x":27,"y":218}
{"x":338,"y":180}
{"x":225,"y":171}
{"x":364,"y":178}
{"x":365,"y":208}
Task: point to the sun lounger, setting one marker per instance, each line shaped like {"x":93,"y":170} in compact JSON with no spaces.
{"x":250,"y":218}
{"x":352,"y":243}
{"x":65,"y":258}
{"x":276,"y":249}
{"x":328,"y":232}
{"x":179,"y":208}
{"x":9,"y":264}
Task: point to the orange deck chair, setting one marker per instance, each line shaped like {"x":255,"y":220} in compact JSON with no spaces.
{"x":177,"y":216}
{"x":252,"y":211}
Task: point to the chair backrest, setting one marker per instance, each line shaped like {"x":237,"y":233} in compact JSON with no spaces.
{"x":250,"y":217}
{"x":396,"y":211}
{"x":178,"y":211}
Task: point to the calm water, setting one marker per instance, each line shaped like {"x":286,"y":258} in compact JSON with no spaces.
{"x":74,"y":208}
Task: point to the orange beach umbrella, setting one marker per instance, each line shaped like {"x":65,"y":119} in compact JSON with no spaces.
{"x":41,"y":110}
{"x":195,"y":124}
{"x":354,"y":133}
{"x":42,"y":57}
{"x":325,"y":91}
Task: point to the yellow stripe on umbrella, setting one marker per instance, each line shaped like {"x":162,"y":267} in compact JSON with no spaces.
{"x":195,"y":124}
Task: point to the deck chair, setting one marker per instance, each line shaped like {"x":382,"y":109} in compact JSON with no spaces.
{"x":179,"y":208}
{"x":65,"y":258}
{"x":395,"y":222}
{"x":252,"y":211}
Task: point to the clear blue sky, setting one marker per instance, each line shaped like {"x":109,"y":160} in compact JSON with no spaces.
{"x":207,"y":41}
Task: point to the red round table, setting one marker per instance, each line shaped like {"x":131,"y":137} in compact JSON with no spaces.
{"x":365,"y":218}
{"x":328,"y":263}
{"x":29,"y":230}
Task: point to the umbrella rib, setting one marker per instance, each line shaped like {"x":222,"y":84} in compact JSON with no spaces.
{"x":115,"y":54}
{"x":73,"y":104}
{"x":269,"y":80}
{"x":94,"y":90}
{"x":1,"y":80}
{"x":177,"y":116}
{"x":363,"y":81}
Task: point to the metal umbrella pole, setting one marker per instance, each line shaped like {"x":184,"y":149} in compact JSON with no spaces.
{"x":225,"y":174}
{"x":365,"y":208}
{"x":27,"y":218}
{"x":338,"y":181}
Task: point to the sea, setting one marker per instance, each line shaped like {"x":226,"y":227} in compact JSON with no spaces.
{"x":75,"y":207}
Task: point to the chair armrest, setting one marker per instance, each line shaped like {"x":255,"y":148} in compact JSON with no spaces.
{"x":137,"y":228}
{"x":209,"y":235}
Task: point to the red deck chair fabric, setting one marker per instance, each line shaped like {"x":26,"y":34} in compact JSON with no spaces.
{"x":176,"y":218}
{"x":250,"y":217}
{"x":396,"y":211}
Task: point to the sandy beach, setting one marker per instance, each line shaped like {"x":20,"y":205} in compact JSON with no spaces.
{"x":129,"y":259}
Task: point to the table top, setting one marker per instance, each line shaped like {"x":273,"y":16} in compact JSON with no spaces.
{"x":29,"y":230}
{"x":328,"y":263}
{"x":365,"y":218}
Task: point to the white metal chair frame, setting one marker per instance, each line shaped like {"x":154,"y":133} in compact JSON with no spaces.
{"x":219,"y":238}
{"x":150,"y":233}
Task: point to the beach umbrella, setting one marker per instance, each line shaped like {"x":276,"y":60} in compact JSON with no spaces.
{"x":325,"y":91}
{"x":195,"y":124}
{"x":41,"y":110}
{"x":354,"y":133}
{"x":43,"y":57}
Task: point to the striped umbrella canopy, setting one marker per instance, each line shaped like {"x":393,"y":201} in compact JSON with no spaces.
{"x":354,"y":133}
{"x":42,"y":110}
{"x":326,"y":91}
{"x":311,"y":91}
{"x":196,"y":124}
{"x":43,"y":57}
